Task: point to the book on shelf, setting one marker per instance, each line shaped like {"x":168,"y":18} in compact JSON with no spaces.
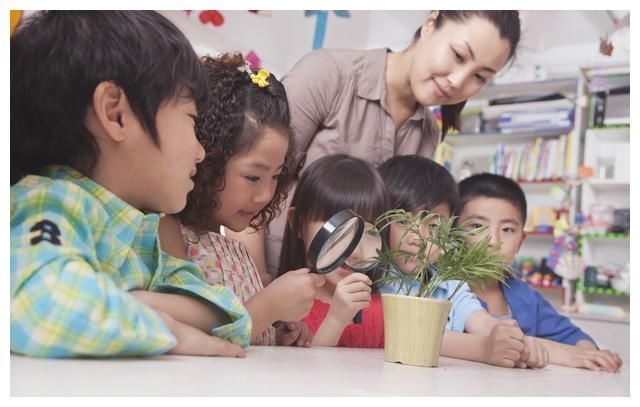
{"x":544,"y":159}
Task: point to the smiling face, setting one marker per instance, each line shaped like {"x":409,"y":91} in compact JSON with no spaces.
{"x":455,"y":61}
{"x":410,"y":243}
{"x":503,"y":220}
{"x":250,"y":180}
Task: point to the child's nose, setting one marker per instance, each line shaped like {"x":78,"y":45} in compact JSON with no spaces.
{"x":494,"y":238}
{"x":264,"y":194}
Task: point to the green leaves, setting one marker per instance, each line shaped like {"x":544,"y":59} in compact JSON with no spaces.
{"x":427,"y":233}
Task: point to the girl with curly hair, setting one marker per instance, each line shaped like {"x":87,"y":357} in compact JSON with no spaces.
{"x":243,"y":181}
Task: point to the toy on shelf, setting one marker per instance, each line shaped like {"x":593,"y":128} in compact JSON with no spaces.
{"x":536,"y":274}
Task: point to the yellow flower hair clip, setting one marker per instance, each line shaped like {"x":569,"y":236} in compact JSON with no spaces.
{"x":260,"y":78}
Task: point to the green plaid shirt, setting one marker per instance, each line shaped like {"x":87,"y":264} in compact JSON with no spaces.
{"x":76,"y":249}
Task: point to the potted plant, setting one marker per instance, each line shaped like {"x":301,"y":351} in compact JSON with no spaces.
{"x":414,"y":321}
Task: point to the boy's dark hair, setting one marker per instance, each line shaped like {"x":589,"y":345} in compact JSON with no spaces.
{"x":415,"y":182}
{"x":59,"y":57}
{"x":493,"y":186}
{"x":231,"y":122}
{"x":327,"y":186}
{"x":508,"y":24}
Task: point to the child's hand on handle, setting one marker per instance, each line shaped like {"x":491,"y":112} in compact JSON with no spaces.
{"x":194,"y":342}
{"x":597,"y":360}
{"x":352,"y":293}
{"x":293,"y":293}
{"x":505,"y":345}
{"x":293,"y":333}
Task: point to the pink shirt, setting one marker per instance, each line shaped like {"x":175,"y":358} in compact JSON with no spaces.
{"x":227,"y":262}
{"x":337,"y":102}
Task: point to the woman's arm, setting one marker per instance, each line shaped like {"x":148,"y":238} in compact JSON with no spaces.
{"x":312,"y":85}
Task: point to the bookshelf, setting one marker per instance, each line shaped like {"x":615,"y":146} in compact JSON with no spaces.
{"x":520,"y":131}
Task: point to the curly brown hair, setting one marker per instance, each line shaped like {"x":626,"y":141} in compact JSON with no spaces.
{"x":235,"y":117}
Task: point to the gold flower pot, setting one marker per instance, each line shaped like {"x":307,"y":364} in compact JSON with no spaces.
{"x":413,"y":329}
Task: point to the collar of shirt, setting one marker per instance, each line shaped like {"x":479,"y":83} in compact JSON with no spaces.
{"x":371,"y":84}
{"x":130,"y":223}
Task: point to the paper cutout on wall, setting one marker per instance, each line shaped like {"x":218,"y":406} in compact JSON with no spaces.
{"x":211,"y":16}
{"x":321,"y":24}
{"x":253,"y":59}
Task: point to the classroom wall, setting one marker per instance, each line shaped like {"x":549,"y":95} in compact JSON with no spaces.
{"x":280,"y":38}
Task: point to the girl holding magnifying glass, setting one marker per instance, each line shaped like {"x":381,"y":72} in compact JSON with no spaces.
{"x":328,"y":186}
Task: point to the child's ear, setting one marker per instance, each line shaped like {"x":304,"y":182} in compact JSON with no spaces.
{"x":111,"y":109}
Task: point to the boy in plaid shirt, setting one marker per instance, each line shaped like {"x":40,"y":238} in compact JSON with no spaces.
{"x":103,"y":106}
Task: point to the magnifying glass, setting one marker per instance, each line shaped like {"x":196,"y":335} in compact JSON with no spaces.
{"x":345,"y":240}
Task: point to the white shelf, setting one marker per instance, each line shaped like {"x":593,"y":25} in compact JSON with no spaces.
{"x":496,"y":137}
{"x":607,"y":185}
{"x":563,"y":86}
{"x":611,"y":133}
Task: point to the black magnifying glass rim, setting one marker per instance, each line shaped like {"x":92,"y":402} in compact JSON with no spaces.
{"x":325,"y":233}
{"x":373,"y":266}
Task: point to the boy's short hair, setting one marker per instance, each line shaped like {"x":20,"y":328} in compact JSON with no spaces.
{"x":493,"y":186}
{"x":416,"y":182}
{"x":59,"y":57}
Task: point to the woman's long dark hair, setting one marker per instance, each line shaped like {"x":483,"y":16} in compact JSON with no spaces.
{"x":327,"y":186}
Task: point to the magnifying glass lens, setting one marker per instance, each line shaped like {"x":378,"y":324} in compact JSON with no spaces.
{"x":337,"y":244}
{"x":364,"y":256}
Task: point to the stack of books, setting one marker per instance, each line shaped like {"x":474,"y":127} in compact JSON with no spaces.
{"x":543,"y":116}
{"x":544,"y":160}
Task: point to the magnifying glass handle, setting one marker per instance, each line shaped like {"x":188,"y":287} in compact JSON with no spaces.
{"x":357,"y":319}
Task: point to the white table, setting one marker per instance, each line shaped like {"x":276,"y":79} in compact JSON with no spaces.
{"x":290,"y":371}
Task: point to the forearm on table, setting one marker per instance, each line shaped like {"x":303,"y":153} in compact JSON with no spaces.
{"x":464,"y":346}
{"x":586,"y":344}
{"x":559,"y":353}
{"x":480,"y":323}
{"x":329,"y":332}
{"x":261,"y":313}
{"x":191,"y":311}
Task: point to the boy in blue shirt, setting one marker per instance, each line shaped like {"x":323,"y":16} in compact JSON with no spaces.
{"x":103,"y":106}
{"x":500,"y":204}
{"x":416,"y":183}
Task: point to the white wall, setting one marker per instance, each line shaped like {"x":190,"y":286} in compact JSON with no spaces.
{"x":282,"y":37}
